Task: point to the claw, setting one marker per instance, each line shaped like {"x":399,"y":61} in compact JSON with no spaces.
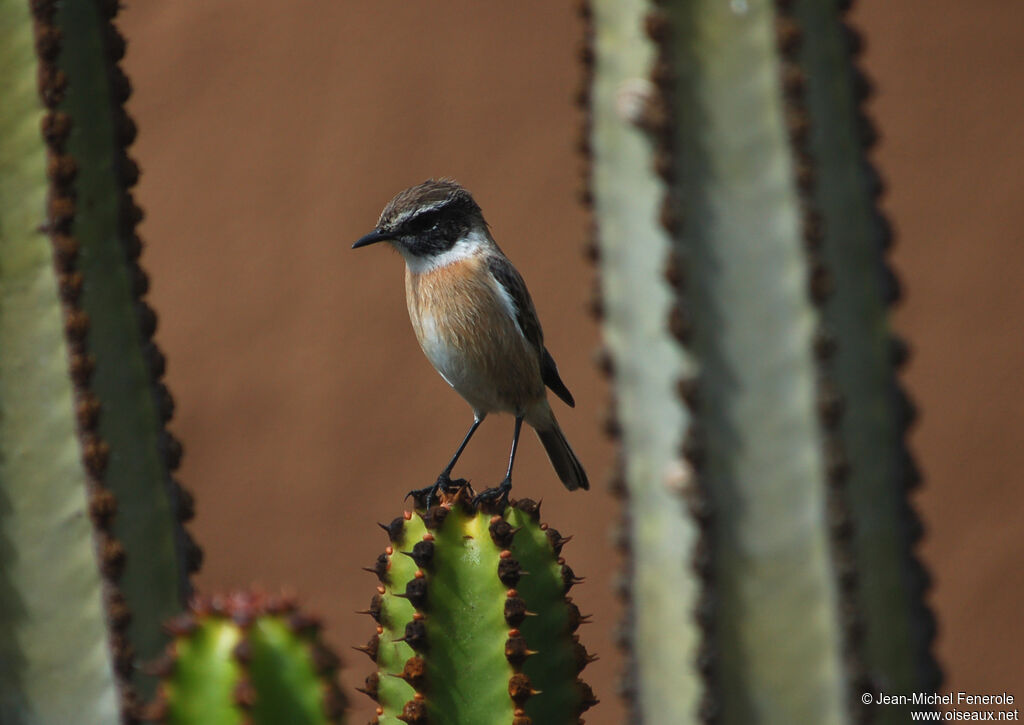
{"x":424,"y":496}
{"x":496,"y":495}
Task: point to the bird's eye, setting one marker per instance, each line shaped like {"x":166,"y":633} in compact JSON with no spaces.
{"x":424,"y":224}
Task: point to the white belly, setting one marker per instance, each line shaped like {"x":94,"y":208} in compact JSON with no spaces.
{"x":442,"y":356}
{"x":458,"y":370}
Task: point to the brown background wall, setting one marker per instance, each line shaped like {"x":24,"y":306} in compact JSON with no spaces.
{"x":269,"y":142}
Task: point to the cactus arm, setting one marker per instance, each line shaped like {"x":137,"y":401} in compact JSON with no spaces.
{"x":898,"y":628}
{"x":133,"y":407}
{"x":633,"y":249}
{"x":56,"y":665}
{"x":205,"y":673}
{"x":246,"y":658}
{"x":778,"y":636}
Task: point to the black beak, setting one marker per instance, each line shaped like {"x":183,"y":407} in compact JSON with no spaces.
{"x":372,"y":238}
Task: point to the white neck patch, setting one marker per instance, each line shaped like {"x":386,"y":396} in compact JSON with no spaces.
{"x":464,"y":247}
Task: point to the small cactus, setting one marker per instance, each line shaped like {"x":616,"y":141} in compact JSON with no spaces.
{"x":246,"y":658}
{"x":473,"y":622}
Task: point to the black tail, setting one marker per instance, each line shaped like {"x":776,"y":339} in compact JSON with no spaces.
{"x":567,"y":465}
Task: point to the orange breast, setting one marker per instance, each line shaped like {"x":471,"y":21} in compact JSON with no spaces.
{"x":470,"y":338}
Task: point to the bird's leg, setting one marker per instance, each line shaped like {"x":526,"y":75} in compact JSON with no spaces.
{"x":501,"y":491}
{"x":444,"y":481}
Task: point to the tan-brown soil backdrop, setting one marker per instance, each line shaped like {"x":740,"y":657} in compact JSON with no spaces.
{"x":272,"y":134}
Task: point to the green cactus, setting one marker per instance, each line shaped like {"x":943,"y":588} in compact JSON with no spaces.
{"x":898,"y":628}
{"x":134,"y":406}
{"x":744,"y":295}
{"x":473,"y":622}
{"x":82,"y":411}
{"x":246,"y":658}
{"x":635,"y":302}
{"x":741,"y":254}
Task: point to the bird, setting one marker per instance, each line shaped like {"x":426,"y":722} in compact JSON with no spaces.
{"x":476,"y":323}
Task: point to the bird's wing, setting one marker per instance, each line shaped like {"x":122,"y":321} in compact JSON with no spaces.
{"x":517,"y":299}
{"x":511,"y":282}
{"x":549,"y":373}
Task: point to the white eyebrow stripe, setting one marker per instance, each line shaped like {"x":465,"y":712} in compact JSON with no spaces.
{"x":409,"y":213}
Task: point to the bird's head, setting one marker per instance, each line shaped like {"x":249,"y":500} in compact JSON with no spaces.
{"x":427,"y":221}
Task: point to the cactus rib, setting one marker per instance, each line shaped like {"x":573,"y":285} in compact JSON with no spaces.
{"x":830,"y":402}
{"x":898,"y":627}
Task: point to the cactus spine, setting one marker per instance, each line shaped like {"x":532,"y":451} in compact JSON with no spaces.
{"x":745,"y":146}
{"x":473,"y":622}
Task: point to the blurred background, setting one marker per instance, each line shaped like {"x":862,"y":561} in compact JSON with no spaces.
{"x":271,"y":139}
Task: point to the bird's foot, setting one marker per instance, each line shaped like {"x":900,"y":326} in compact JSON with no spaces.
{"x":495,"y":498}
{"x":423,"y":497}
